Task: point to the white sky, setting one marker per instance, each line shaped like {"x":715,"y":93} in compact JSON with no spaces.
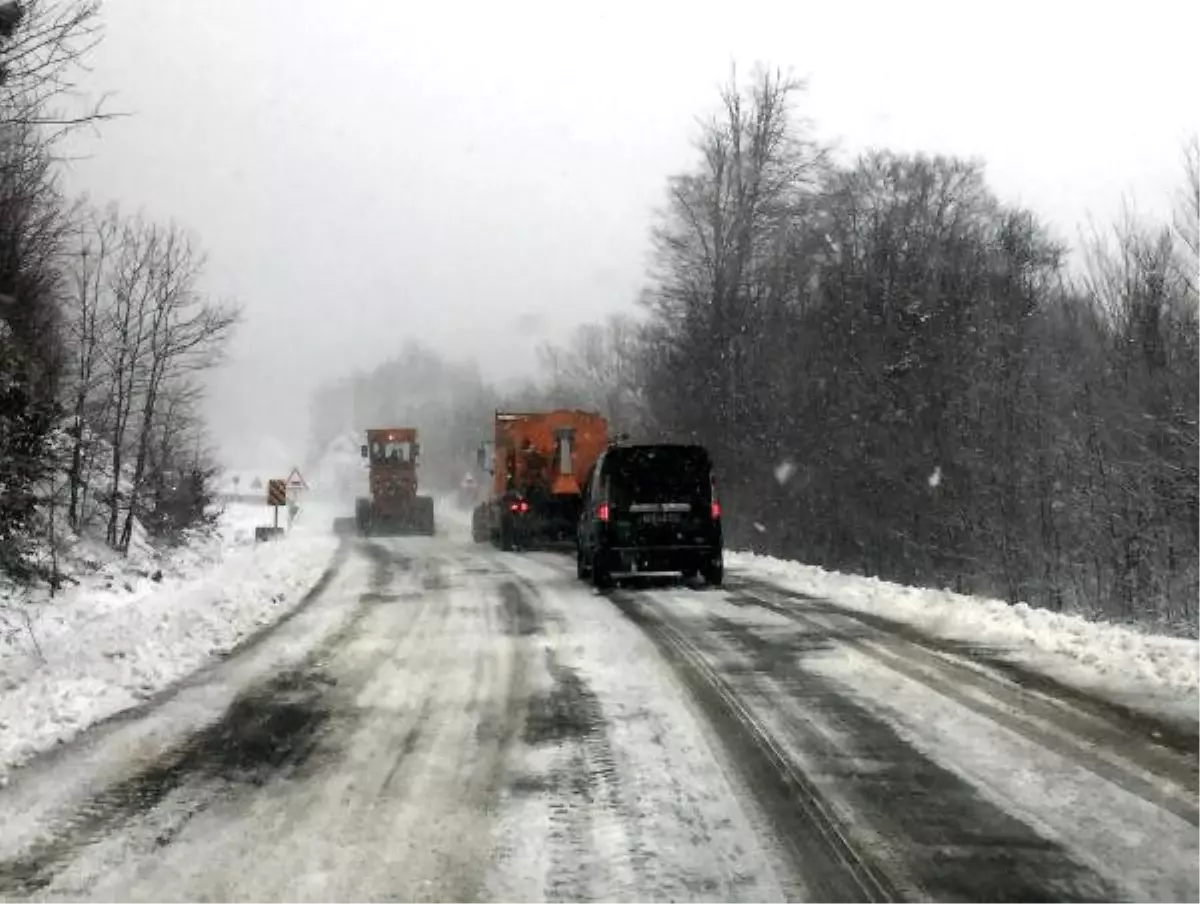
{"x":482,"y":176}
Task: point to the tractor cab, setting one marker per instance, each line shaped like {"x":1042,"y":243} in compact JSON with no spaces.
{"x":391,"y":448}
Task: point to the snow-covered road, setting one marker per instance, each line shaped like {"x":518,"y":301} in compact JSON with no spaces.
{"x":444,"y":721}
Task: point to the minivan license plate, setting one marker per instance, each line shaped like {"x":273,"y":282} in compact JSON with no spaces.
{"x":660,"y":518}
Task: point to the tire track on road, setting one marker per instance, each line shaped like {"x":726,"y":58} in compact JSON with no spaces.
{"x":948,"y":839}
{"x":270,"y":728}
{"x":596,"y":843}
{"x":821,"y":852}
{"x":1154,"y":773}
{"x":474,"y":660}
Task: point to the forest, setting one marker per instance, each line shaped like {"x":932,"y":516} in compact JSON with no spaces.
{"x":105,"y":327}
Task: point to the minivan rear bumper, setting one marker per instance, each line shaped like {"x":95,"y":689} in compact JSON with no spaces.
{"x":681,"y":557}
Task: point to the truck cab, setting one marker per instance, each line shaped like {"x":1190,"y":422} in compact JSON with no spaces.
{"x":536,"y":461}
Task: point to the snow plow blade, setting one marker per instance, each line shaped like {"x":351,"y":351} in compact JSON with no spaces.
{"x":416,"y":521}
{"x":388,"y":527}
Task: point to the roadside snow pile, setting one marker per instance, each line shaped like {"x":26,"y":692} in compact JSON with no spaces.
{"x":119,"y":636}
{"x":1144,"y":671}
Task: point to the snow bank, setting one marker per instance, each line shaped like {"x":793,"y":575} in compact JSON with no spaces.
{"x":1145,"y":671}
{"x":119,"y":636}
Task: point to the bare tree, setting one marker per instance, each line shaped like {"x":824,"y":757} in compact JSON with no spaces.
{"x":131,"y":285}
{"x":599,"y":367}
{"x":720,"y":238}
{"x":162,"y":330}
{"x":87,"y":305}
{"x":185,"y":333}
{"x":43,"y":46}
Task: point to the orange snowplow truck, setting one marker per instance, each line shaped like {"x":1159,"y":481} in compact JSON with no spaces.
{"x":393,"y":508}
{"x":538,"y":462}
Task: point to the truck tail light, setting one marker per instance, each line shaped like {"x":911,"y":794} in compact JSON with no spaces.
{"x":602,"y":512}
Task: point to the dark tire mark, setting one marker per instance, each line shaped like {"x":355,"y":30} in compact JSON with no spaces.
{"x":434,"y":574}
{"x":815,"y":841}
{"x":1182,"y":738}
{"x":502,"y":726}
{"x":382,"y":565}
{"x":956,"y":845}
{"x":518,"y":615}
{"x":268,"y":729}
{"x":530,"y":785}
{"x":570,"y":710}
{"x":571,"y":718}
{"x":408,"y":744}
{"x":245,"y":645}
{"x":918,"y":661}
{"x":273,"y":726}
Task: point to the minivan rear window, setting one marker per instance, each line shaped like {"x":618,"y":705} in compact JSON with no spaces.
{"x":656,"y":474}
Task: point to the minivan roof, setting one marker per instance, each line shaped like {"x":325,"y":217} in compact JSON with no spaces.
{"x":658,"y":472}
{"x":641,"y":446}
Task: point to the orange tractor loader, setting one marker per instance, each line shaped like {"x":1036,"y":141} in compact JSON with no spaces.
{"x":393,"y":508}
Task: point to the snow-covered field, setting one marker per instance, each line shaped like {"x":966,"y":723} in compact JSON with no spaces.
{"x":1149,"y":672}
{"x":118,"y":636}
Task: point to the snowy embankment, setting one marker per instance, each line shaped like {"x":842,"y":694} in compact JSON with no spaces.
{"x":1148,"y":672}
{"x":118,"y":636}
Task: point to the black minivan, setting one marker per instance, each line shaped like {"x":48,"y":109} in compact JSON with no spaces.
{"x":650,"y":508}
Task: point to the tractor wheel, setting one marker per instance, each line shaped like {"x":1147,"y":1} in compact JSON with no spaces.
{"x":362,"y":516}
{"x":425,"y":523}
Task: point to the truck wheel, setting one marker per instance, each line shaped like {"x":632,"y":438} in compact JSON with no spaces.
{"x":581,"y":569}
{"x":506,"y":534}
{"x":714,"y":574}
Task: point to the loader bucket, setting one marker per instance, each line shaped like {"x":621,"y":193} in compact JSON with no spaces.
{"x":415,"y":520}
{"x":400,"y":527}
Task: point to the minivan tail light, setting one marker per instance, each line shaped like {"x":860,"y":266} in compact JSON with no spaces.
{"x":602,"y":512}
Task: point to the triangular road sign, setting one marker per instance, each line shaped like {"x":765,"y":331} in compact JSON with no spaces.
{"x":295,"y":481}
